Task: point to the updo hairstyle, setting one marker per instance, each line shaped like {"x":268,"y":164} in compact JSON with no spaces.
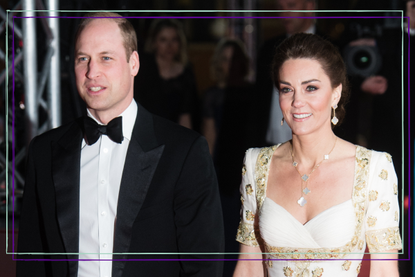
{"x":309,"y":46}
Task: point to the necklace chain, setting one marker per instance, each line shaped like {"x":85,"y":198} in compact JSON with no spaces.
{"x":305,"y":177}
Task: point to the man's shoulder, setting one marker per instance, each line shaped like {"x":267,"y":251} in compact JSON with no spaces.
{"x":173,"y":132}
{"x":58,"y":132}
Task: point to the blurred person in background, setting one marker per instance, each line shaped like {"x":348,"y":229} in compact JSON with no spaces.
{"x":265,"y":112}
{"x":225,"y":115}
{"x":168,"y":83}
{"x":229,"y":96}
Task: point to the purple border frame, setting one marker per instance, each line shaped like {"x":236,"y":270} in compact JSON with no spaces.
{"x":215,"y":17}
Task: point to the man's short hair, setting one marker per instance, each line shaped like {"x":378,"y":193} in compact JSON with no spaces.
{"x":126,"y":28}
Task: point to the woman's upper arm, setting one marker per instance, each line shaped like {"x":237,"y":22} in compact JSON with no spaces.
{"x":250,"y":258}
{"x":185,"y":120}
{"x":382,"y":219}
{"x":248,"y":226}
{"x":382,"y":216}
{"x":209,"y":132}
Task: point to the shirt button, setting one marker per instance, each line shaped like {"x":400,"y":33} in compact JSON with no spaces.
{"x":102,"y":181}
{"x":105,"y":150}
{"x":103,"y":213}
{"x":104,"y":245}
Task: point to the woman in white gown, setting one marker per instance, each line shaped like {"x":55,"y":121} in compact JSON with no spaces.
{"x":311,"y":205}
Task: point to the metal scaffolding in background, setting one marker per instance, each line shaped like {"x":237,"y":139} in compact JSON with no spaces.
{"x":42,"y":88}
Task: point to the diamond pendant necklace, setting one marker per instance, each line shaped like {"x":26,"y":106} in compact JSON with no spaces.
{"x":306,"y":177}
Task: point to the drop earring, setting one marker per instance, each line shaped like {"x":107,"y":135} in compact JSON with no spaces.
{"x":282,"y":121}
{"x":334,"y":120}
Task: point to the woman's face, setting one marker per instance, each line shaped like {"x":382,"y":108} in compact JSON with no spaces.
{"x":306,"y":96}
{"x":167,"y":43}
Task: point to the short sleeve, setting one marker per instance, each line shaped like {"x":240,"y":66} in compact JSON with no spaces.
{"x":247,"y":226}
{"x":382,"y":216}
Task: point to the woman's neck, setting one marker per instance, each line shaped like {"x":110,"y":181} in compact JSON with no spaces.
{"x":310,"y":149}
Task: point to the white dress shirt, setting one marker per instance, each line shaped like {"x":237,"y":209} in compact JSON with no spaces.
{"x":102,"y":165}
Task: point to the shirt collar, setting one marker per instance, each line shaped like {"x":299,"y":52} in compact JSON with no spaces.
{"x":129,"y":116}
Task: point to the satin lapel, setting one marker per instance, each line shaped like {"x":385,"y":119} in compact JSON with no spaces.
{"x":66,"y":157}
{"x":141,"y":162}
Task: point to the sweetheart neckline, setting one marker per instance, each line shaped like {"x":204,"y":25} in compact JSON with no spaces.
{"x":318,"y":215}
{"x":353,"y":188}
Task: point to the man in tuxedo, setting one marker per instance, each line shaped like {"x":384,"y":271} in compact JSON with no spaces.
{"x":119,"y":180}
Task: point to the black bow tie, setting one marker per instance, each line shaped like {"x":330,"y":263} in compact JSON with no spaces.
{"x":93,"y":130}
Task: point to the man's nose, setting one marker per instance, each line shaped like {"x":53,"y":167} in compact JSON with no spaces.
{"x":93,"y":70}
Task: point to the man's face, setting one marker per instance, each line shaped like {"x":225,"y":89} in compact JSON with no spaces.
{"x":104,"y":78}
{"x":295,"y":25}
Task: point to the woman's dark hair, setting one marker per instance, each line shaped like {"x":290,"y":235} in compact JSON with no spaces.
{"x":309,"y":46}
{"x":239,"y":65}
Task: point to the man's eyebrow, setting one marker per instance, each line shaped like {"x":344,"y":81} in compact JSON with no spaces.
{"x":106,"y":52}
{"x":80,"y":53}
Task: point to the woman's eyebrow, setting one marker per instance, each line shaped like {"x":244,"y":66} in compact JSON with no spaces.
{"x":310,"y":81}
{"x":304,"y":82}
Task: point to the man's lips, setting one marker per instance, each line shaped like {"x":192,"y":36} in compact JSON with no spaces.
{"x":95,"y":88}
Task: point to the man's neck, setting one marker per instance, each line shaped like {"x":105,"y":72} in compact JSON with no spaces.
{"x":106,"y":116}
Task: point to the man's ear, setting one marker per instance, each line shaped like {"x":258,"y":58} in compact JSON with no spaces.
{"x":134,"y":63}
{"x":337,"y":94}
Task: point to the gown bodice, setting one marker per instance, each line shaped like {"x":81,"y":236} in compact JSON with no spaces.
{"x":333,"y":242}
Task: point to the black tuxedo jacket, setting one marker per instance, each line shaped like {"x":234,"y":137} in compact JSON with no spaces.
{"x":168,"y":203}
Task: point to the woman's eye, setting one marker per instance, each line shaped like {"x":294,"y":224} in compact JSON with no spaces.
{"x":285,"y":90}
{"x":311,"y":88}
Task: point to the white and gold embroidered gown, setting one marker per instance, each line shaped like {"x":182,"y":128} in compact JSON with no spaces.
{"x":333,"y":242}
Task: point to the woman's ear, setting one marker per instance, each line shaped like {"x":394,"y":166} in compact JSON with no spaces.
{"x":337,"y":93}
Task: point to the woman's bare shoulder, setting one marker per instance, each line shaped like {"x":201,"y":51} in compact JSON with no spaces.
{"x":283,"y":151}
{"x":346,"y":149}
